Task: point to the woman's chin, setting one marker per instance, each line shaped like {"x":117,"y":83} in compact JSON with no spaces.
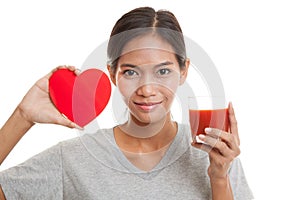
{"x":145,"y":119}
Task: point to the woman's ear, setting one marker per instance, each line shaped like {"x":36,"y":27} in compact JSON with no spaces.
{"x":111,"y":74}
{"x":184,"y":71}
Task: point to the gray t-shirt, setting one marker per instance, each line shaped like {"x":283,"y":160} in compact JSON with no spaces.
{"x":93,"y":167}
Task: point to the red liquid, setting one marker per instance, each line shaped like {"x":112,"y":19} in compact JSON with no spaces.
{"x":201,"y":119}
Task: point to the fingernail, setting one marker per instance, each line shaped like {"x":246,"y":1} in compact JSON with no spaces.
{"x":207,"y":130}
{"x":201,"y":136}
{"x":77,"y":127}
{"x":77,"y":71}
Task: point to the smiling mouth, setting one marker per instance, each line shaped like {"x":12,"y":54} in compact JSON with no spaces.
{"x":147,"y":106}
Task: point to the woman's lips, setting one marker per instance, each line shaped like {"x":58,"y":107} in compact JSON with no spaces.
{"x":147,"y":106}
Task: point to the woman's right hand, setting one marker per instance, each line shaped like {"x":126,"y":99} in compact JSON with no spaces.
{"x":37,"y":107}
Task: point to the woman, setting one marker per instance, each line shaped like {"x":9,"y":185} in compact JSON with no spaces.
{"x":147,"y":157}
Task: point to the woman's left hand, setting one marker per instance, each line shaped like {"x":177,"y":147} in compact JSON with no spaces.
{"x":222,"y":147}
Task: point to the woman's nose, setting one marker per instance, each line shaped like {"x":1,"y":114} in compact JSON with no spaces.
{"x":146,"y":90}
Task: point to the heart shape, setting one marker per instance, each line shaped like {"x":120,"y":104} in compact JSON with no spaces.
{"x":80,"y":98}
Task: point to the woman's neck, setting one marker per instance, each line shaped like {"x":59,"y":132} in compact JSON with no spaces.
{"x":145,"y":138}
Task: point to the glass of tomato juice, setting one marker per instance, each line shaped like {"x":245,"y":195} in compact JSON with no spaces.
{"x":207,"y":111}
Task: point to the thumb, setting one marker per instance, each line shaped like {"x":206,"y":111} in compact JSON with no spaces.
{"x":233,"y":122}
{"x":64,"y":121}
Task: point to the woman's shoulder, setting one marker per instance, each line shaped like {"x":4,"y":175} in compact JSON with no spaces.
{"x":91,"y":148}
{"x":86,"y":138}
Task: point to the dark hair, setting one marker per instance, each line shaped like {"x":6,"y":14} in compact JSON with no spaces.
{"x":141,"y":21}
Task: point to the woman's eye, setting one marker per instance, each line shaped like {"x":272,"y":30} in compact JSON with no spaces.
{"x":163,"y":71}
{"x":129,"y":72}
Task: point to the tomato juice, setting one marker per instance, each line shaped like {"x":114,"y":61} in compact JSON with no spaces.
{"x":201,"y":119}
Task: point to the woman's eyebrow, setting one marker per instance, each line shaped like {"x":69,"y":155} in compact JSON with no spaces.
{"x":128,"y":65}
{"x":157,"y":65}
{"x":164,"y":64}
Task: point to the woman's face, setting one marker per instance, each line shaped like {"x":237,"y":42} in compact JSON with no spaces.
{"x":147,"y":77}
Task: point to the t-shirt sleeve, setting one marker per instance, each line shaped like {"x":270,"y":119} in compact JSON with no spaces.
{"x":40,"y":177}
{"x":239,"y":185}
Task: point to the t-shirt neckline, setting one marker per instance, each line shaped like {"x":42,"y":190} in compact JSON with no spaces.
{"x":169,"y":157}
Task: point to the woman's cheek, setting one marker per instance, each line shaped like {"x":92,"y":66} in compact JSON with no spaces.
{"x":127,"y":88}
{"x":171,"y":85}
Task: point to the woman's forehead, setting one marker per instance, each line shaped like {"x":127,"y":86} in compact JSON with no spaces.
{"x":147,"y":42}
{"x":147,"y":56}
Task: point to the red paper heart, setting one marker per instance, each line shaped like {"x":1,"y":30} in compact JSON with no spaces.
{"x":80,"y":98}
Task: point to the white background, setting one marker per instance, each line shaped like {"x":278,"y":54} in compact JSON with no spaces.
{"x":255,"y":45}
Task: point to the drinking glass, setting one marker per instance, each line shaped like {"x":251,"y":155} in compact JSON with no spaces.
{"x":207,"y":111}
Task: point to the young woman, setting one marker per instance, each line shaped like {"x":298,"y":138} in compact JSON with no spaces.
{"x":147,"y":157}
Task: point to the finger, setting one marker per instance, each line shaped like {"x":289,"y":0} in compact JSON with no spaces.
{"x":215,"y":133}
{"x":219,"y":134}
{"x":214,"y":153}
{"x":64,"y":121}
{"x":77,"y":72}
{"x":219,"y":145}
{"x":202,"y":146}
{"x":211,"y":141}
{"x":224,"y":136}
{"x":69,"y":67}
{"x":232,"y":119}
{"x":233,"y":122}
